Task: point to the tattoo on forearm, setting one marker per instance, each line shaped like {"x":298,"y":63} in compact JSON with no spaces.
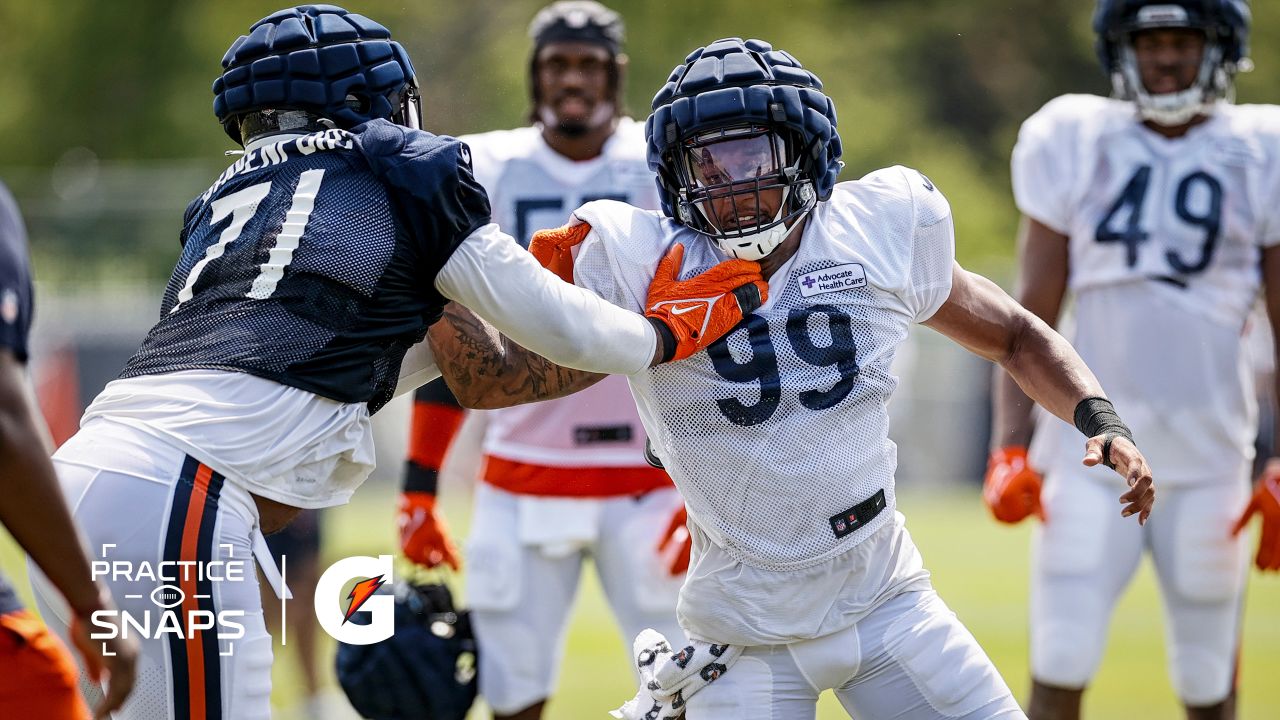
{"x":486,"y":369}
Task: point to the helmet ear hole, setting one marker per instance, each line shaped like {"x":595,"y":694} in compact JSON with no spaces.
{"x":357,"y":103}
{"x":806,"y":193}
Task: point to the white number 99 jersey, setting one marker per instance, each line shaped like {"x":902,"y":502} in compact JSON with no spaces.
{"x":1165,"y":238}
{"x":781,"y":426}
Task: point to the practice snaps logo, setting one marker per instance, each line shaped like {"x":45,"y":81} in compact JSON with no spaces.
{"x":180,"y":605}
{"x":334,"y":616}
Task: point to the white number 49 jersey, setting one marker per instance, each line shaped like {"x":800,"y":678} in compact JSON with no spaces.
{"x":780,"y":428}
{"x":1165,"y":241}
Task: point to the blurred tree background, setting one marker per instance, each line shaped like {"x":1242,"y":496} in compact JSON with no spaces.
{"x":106,"y":128}
{"x":107,"y":132}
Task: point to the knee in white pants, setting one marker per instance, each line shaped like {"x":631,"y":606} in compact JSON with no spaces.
{"x":942,"y":658}
{"x":1063,"y":657}
{"x":515,"y":670}
{"x":1200,"y":677}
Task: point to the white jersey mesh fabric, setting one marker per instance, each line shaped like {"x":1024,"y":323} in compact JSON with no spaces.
{"x":532,"y":187}
{"x":782,"y":424}
{"x":1165,"y":237}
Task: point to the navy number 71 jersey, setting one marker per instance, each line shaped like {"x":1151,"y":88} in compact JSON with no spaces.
{"x":312,"y":261}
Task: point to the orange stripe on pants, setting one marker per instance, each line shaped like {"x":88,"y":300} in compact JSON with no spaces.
{"x":190,"y":537}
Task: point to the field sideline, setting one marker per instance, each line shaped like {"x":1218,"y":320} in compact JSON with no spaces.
{"x":979,"y":568}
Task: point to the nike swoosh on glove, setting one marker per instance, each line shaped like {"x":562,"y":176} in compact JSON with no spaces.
{"x":702,"y":309}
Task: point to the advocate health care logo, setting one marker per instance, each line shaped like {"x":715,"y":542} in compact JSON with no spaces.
{"x":181,"y":604}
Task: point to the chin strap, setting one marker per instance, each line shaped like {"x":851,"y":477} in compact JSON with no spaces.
{"x":757,"y":245}
{"x":1212,"y":83}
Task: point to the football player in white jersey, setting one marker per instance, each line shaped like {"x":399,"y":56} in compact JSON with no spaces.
{"x":803,"y":577}
{"x":1156,"y":210}
{"x":309,"y":273}
{"x":565,"y":479}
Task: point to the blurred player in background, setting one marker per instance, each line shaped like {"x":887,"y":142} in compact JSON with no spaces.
{"x":1158,"y":211}
{"x":296,"y":551}
{"x":38,"y":678}
{"x":565,"y":479}
{"x":309,"y":273}
{"x":803,"y":577}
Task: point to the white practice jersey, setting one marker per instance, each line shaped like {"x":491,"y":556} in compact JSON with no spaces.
{"x":781,"y":427}
{"x":532,"y":187}
{"x":1165,"y":242}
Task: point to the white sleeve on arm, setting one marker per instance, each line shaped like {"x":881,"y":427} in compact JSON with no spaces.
{"x":502,"y":283}
{"x":1043,"y":166}
{"x":933,"y":251}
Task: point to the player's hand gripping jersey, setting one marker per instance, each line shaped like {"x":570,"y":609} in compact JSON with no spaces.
{"x":737,"y":426}
{"x":308,"y":270}
{"x":1165,"y":240}
{"x":530,"y":187}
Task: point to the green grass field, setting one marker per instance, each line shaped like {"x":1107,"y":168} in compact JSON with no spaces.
{"x":979,"y":568}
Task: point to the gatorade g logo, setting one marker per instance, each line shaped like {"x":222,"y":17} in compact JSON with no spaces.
{"x":333,"y":609}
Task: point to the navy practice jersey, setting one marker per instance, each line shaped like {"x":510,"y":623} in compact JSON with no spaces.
{"x":15,"y":312}
{"x":312,"y":262}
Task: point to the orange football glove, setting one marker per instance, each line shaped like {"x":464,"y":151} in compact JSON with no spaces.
{"x":1011,"y":488}
{"x":675,"y":543}
{"x":424,"y":537}
{"x":1265,"y":502}
{"x":553,"y":249}
{"x":702,"y":309}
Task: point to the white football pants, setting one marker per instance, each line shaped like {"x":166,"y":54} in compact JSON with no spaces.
{"x":157,"y":504}
{"x":1085,"y":555}
{"x":524,"y":560}
{"x":909,"y":659}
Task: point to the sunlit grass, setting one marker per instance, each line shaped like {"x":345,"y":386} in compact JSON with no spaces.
{"x":979,"y":568}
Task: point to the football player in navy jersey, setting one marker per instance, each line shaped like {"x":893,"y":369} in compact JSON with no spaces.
{"x":309,"y":273}
{"x":39,"y":677}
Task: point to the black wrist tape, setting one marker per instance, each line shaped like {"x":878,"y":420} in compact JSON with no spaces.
{"x":420,"y":479}
{"x":1097,"y":416}
{"x":666,"y":339}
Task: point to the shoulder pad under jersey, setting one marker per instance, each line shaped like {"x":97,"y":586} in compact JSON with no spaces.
{"x":432,"y":172}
